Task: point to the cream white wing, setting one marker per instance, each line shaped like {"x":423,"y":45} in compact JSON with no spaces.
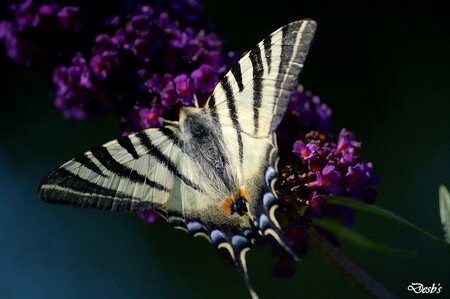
{"x":253,"y":96}
{"x":133,"y":173}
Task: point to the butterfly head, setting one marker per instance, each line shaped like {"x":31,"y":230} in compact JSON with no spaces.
{"x":187,"y":111}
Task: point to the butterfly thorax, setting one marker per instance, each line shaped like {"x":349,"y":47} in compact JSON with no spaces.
{"x":205,"y":146}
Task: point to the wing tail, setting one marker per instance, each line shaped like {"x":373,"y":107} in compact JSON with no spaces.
{"x":237,"y":245}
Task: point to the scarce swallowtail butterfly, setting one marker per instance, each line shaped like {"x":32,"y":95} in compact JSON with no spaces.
{"x":212,"y":173}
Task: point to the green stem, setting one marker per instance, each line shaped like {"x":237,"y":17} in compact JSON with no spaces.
{"x":343,"y":263}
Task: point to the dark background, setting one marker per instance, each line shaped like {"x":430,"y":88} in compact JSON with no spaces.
{"x":384,"y":73}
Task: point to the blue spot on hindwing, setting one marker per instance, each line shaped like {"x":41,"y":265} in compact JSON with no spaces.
{"x":239,"y":242}
{"x":196,"y":227}
{"x":270,"y":174}
{"x":248,"y":233}
{"x":217,"y":237}
{"x":264,"y":222}
{"x":268,"y":200}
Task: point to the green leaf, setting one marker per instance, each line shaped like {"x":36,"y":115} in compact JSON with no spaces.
{"x":379,"y":211}
{"x":346,"y":234}
{"x":444,"y":210}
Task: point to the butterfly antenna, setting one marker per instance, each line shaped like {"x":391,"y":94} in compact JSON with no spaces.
{"x":196,"y":101}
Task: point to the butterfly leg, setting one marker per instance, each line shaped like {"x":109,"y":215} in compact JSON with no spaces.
{"x":171,"y":122}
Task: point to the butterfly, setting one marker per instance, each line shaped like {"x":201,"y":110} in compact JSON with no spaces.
{"x":212,"y":173}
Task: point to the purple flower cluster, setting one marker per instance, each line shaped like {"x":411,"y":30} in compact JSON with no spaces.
{"x":45,"y":33}
{"x":39,"y":32}
{"x":146,"y":70}
{"x":324,"y":167}
{"x":321,"y":167}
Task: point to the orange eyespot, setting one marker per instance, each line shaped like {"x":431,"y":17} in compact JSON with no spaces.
{"x":226,"y":206}
{"x":230,"y":203}
{"x":244,"y":193}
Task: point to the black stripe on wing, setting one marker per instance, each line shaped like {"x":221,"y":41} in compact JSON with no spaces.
{"x":237,"y":74}
{"x":64,"y":187}
{"x":102,"y":154}
{"x":258,"y":71}
{"x":88,"y":163}
{"x":268,"y":52}
{"x":172,"y":136}
{"x":286,"y":55}
{"x":156,"y":153}
{"x":127,"y":144}
{"x":233,"y":115}
{"x":291,"y":51}
{"x":213,"y":110}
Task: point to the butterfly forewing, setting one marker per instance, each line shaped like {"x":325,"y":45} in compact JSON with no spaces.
{"x":129,"y":173}
{"x":253,"y":96}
